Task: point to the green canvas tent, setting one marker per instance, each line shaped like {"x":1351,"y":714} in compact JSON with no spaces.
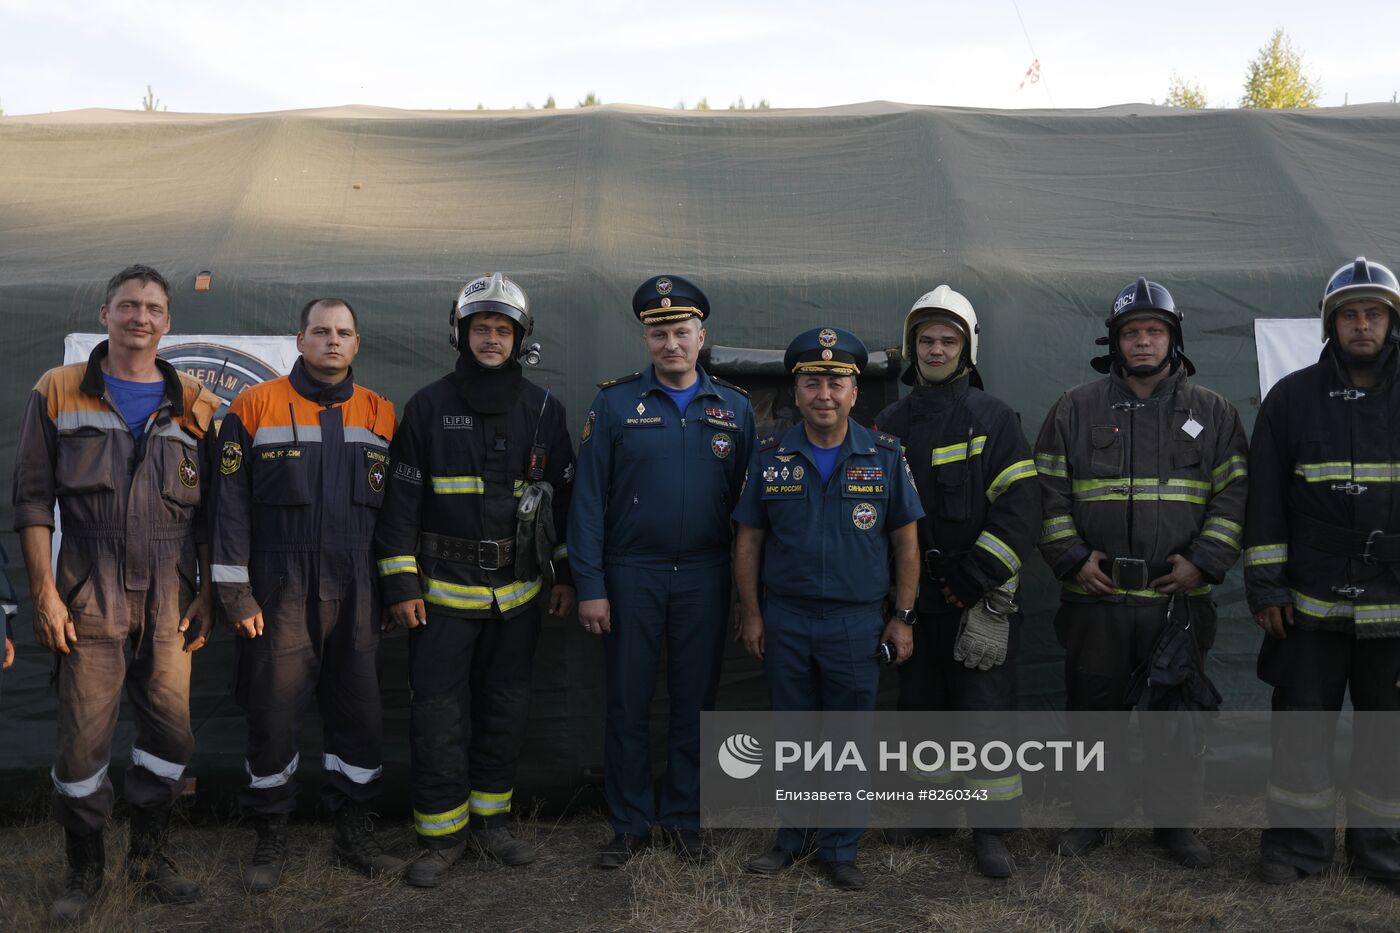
{"x":788,"y":219}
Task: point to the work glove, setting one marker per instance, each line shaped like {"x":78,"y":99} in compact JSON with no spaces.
{"x":985,"y":630}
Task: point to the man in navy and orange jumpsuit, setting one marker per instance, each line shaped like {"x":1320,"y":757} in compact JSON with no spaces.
{"x":303,"y":462}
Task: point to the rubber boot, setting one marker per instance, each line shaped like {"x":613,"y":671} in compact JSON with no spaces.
{"x":356,"y":846}
{"x":149,"y":866}
{"x":86,"y":861}
{"x":264,"y":872}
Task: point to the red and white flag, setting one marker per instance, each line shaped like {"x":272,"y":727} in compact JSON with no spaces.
{"x":1032,"y":75}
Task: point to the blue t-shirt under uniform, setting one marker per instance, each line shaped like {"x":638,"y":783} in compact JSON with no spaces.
{"x":135,"y":400}
{"x":825,"y":458}
{"x":682,"y":397}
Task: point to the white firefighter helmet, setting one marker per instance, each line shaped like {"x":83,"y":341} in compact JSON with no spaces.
{"x":496,"y":294}
{"x":941,"y":302}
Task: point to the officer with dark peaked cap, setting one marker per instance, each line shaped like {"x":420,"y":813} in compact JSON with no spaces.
{"x":661,"y":460}
{"x":823,"y":509}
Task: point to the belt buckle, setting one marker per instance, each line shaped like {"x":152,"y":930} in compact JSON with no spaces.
{"x":1129,"y":573}
{"x":481,"y":547}
{"x":933,"y":563}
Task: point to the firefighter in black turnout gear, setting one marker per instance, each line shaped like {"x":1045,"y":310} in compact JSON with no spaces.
{"x":1143,"y":486}
{"x":469,"y":541}
{"x":975,"y":475}
{"x":1322,"y":574}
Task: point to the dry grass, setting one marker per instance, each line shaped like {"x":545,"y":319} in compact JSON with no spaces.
{"x":931,"y":886}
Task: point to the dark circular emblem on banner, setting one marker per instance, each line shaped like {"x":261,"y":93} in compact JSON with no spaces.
{"x":223,"y":370}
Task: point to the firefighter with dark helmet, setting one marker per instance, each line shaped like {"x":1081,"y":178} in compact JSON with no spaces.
{"x":1143,"y":485}
{"x":470,"y":548}
{"x":976,"y":479}
{"x":1322,"y":574}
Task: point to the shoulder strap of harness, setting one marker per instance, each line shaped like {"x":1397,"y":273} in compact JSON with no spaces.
{"x":619,"y":380}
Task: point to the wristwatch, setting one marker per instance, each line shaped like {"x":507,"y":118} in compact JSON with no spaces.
{"x":906,"y":616}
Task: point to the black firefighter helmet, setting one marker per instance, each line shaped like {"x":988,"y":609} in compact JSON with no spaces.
{"x":1138,"y":299}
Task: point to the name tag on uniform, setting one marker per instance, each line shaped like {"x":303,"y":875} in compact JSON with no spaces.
{"x":783,"y":489}
{"x":651,"y":422}
{"x":864,"y":489}
{"x":720,"y":423}
{"x":281,"y":453}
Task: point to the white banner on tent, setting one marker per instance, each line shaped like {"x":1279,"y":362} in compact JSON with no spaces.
{"x":1285,"y":345}
{"x":225,"y":364}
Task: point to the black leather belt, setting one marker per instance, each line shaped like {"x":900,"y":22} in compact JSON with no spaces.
{"x":488,"y":555}
{"x":1373,"y":547}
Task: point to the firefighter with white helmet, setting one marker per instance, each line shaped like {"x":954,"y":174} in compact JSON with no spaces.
{"x":480,"y":453}
{"x":976,"y":478}
{"x":1322,"y":574}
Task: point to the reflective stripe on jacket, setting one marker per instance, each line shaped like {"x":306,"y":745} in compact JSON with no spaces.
{"x":1329,"y":452}
{"x":1142,"y":478}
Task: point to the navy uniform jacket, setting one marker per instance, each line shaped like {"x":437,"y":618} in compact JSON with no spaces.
{"x":655,"y":486}
{"x":828,"y":549}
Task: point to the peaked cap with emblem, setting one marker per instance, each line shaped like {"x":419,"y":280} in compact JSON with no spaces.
{"x":826,"y":351}
{"x":666,"y":299}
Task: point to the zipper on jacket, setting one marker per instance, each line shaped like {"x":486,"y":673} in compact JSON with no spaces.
{"x":1131,"y":406}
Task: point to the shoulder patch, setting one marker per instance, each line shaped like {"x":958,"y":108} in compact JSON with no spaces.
{"x":887,"y":442}
{"x":619,"y":381}
{"x":729,"y":385}
{"x":768,"y":442}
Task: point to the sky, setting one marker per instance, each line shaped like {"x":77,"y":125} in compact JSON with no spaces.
{"x":258,"y":56}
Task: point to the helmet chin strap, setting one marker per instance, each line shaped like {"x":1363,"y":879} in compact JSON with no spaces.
{"x":936,"y":375}
{"x":1143,"y":372}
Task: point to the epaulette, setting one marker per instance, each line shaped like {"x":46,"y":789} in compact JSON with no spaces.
{"x":619,"y":381}
{"x":887,"y":442}
{"x":768,"y":442}
{"x":729,"y":385}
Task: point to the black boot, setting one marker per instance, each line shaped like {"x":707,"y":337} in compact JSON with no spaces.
{"x":269,"y":855}
{"x":993,"y":859}
{"x":149,"y":866}
{"x":356,"y":845}
{"x":86,"y":861}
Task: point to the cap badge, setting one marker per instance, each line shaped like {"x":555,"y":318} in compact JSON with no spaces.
{"x":663,"y":286}
{"x":827,"y":337}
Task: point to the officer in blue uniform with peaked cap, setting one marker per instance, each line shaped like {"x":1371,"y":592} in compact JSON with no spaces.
{"x":661,"y":460}
{"x":823,"y":509}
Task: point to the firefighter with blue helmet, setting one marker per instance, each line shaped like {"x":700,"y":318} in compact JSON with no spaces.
{"x":1322,"y":574}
